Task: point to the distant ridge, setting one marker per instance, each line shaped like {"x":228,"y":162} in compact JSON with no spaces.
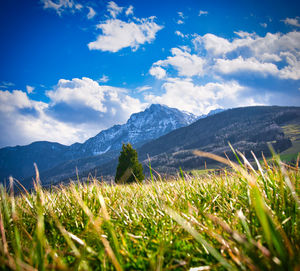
{"x":246,"y":128}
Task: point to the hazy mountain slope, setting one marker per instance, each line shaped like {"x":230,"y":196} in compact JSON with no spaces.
{"x":248,"y":128}
{"x":251,"y":124}
{"x":18,"y":161}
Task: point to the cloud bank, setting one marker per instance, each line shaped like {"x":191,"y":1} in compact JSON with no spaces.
{"x":220,"y":72}
{"x":78,"y":109}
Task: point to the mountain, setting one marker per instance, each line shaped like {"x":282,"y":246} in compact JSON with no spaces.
{"x":18,"y":161}
{"x":154,"y":133}
{"x":142,"y":127}
{"x":212,"y":112}
{"x":150,"y":124}
{"x":247,"y":129}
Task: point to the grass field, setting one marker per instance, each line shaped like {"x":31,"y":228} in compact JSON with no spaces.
{"x":292,"y":131}
{"x":237,"y":219}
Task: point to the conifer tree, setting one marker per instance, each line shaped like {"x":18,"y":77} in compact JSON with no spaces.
{"x":129,"y":168}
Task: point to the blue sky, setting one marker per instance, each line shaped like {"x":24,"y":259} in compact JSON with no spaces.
{"x":70,"y":68}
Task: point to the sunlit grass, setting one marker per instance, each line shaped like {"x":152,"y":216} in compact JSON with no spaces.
{"x":239,"y":219}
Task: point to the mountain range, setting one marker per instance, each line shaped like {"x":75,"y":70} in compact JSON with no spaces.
{"x":247,"y":129}
{"x":165,"y":135}
{"x":140,"y":128}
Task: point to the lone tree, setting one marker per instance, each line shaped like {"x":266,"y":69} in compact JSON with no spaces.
{"x":129,"y":168}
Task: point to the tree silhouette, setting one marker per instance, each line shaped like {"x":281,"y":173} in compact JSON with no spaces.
{"x":129,"y":168}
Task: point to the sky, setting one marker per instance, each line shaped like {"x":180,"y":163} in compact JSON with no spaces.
{"x":71,"y":68}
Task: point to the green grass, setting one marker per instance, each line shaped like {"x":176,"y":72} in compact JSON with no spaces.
{"x":292,"y":131}
{"x":239,"y":219}
{"x":289,"y":157}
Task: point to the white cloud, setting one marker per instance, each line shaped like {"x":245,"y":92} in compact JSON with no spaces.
{"x":24,"y":121}
{"x":178,"y":33}
{"x":78,"y":92}
{"x":213,"y":44}
{"x":184,"y":48}
{"x":181,"y":17}
{"x":117,"y":34}
{"x":185,"y":95}
{"x":241,"y":65}
{"x":266,"y":57}
{"x":292,"y":70}
{"x":244,"y":34}
{"x":29,"y":89}
{"x":114,"y":9}
{"x":104,"y":79}
{"x":276,"y":55}
{"x":61,"y":5}
{"x":91,"y":13}
{"x":129,"y":11}
{"x":158,"y":72}
{"x":143,"y":88}
{"x":292,"y":21}
{"x":256,"y":45}
{"x":4,"y":84}
{"x":78,"y":109}
{"x":183,"y":62}
{"x":78,"y":6}
{"x":249,"y":49}
{"x":180,"y":14}
{"x":102,"y":104}
{"x":229,"y":63}
{"x":16,"y":99}
{"x":202,"y":12}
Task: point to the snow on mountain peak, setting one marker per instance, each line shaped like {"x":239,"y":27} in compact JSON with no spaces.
{"x":153,"y":122}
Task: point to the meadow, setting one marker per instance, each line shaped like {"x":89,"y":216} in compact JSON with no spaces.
{"x":244,"y":217}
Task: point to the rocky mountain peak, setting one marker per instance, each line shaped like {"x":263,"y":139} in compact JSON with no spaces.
{"x":153,"y":122}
